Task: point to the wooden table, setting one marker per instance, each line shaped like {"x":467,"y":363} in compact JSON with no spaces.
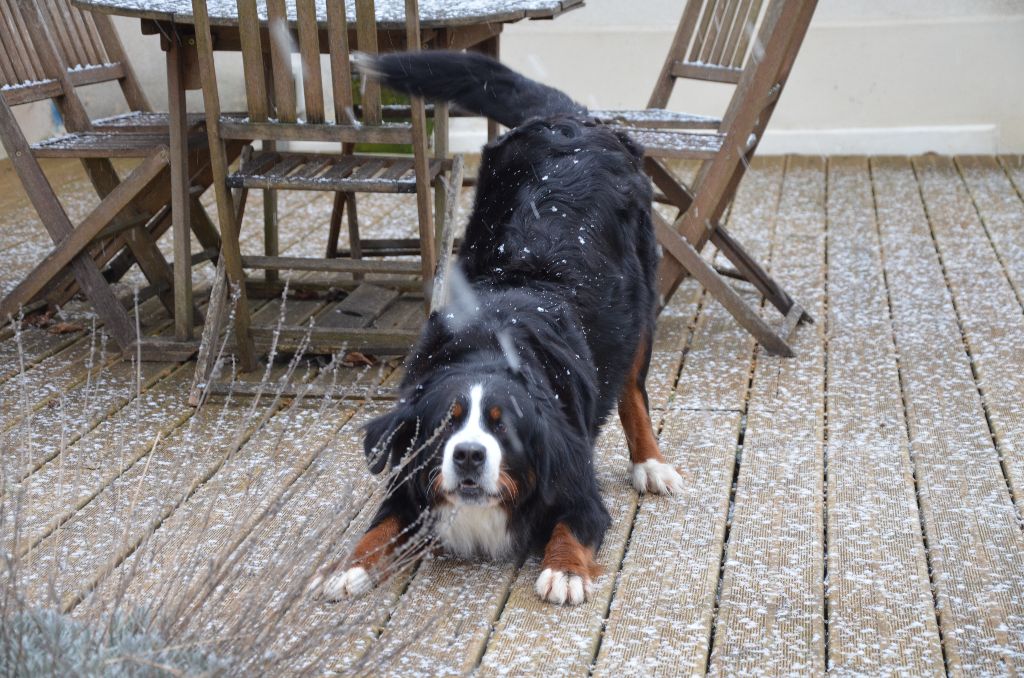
{"x":444,"y":24}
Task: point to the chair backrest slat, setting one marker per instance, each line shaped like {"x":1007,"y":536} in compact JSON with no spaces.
{"x":703,"y":35}
{"x":781,"y":33}
{"x":268,"y":46}
{"x":26,"y":42}
{"x":366,"y":41}
{"x":39,"y":35}
{"x":88,"y":22}
{"x":281,"y":42}
{"x":7,"y":71}
{"x":20,"y":63}
{"x":725,"y":35}
{"x":341,"y":67}
{"x":716,"y":34}
{"x":252,"y":61}
{"x":114,"y":50}
{"x":82,"y":37}
{"x":742,"y":33}
{"x":717,"y":9}
{"x":309,"y":49}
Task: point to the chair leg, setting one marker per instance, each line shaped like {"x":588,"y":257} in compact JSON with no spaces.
{"x":354,"y":240}
{"x":335,"y":230}
{"x":446,"y":240}
{"x":231,"y":256}
{"x":110,"y":210}
{"x":689,"y":258}
{"x":207,"y":358}
{"x":270,"y":231}
{"x":154,"y":266}
{"x":270,"y":226}
{"x":752,"y":272}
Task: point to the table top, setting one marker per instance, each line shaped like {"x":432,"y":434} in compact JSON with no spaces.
{"x":390,"y":13}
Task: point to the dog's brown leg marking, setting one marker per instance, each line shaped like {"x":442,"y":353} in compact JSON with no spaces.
{"x":379,"y":541}
{"x":636,"y":419}
{"x":566,"y":554}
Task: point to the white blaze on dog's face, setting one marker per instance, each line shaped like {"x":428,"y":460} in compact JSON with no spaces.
{"x":471,"y":466}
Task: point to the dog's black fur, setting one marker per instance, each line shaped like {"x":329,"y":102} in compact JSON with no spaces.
{"x":561,"y":259}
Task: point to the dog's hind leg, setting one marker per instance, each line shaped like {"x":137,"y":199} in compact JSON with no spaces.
{"x":649,"y":470}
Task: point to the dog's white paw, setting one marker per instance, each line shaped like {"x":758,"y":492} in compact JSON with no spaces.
{"x":352,"y":582}
{"x":657,"y":477}
{"x":558,"y":587}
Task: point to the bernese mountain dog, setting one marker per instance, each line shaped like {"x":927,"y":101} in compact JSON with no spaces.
{"x":491,"y":444}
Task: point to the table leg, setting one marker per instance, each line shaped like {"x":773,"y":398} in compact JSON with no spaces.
{"x":180,"y":203}
{"x":270,"y":215}
{"x":441,"y":153}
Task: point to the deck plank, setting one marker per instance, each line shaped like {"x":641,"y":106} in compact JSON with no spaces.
{"x":977,"y":223}
{"x":324,"y":512}
{"x":29,"y":346}
{"x":88,"y":357}
{"x":75,"y":475}
{"x":82,"y":461}
{"x":298,"y":491}
{"x":1013,"y":165}
{"x":973,"y":535}
{"x":225,"y":509}
{"x":109,"y":527}
{"x":1001,"y":209}
{"x":771,"y":611}
{"x":211,"y":432}
{"x":563,"y":640}
{"x":881,"y":613}
{"x":660,"y":622}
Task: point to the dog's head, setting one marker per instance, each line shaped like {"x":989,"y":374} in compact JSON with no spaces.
{"x":472,"y":435}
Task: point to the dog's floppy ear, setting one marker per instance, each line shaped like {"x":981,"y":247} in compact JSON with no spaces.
{"x":559,"y":452}
{"x":388,"y":437}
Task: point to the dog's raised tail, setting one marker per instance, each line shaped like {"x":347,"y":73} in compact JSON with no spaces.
{"x":474,"y":82}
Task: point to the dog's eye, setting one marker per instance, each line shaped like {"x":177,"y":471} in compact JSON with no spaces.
{"x":494,"y":416}
{"x":456,"y":414}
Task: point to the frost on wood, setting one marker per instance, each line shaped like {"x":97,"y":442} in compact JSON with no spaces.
{"x":869,"y":458}
{"x":389,"y":12}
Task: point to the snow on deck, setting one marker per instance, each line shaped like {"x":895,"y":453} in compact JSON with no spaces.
{"x":857,"y":508}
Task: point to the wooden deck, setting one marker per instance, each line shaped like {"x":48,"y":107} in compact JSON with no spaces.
{"x":856,"y":509}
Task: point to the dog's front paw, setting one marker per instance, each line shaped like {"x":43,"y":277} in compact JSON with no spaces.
{"x":558,"y":587}
{"x":352,"y":582}
{"x":657,"y":477}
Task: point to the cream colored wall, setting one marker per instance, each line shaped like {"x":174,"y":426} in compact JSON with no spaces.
{"x":906,"y":76}
{"x":873,"y":76}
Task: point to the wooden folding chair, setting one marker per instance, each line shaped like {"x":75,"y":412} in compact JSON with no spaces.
{"x":47,"y":49}
{"x":272,"y":117}
{"x":713,"y":42}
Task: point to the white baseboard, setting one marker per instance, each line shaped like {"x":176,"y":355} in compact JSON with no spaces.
{"x":468,"y":135}
{"x":945,"y":139}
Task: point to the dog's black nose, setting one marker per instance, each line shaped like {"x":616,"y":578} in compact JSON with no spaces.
{"x":469,"y":457}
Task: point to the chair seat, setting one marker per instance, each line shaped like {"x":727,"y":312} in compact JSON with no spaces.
{"x":146,"y":122}
{"x":657,"y":117}
{"x":313,"y":172}
{"x":156,"y":122}
{"x":676,"y":144}
{"x":106,"y":145}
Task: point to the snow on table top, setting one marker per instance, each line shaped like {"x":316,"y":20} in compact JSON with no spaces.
{"x":389,"y":12}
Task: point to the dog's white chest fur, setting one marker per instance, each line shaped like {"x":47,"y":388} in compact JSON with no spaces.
{"x":470,"y":531}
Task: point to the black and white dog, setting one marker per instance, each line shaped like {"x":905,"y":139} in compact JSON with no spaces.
{"x":507,"y":388}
